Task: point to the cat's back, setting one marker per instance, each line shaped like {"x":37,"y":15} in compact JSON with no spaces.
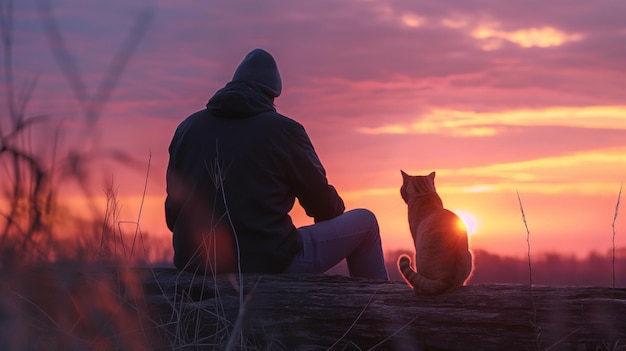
{"x":448,"y":221}
{"x":441,"y":237}
{"x":443,"y":222}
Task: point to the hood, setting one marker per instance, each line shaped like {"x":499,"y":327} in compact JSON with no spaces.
{"x":254,"y":86}
{"x":260,"y":68}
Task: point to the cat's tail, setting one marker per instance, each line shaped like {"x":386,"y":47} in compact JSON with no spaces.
{"x":421,"y":285}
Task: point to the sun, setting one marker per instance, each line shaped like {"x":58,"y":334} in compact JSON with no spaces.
{"x":469,"y":220}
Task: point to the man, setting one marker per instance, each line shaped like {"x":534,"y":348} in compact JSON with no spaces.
{"x":234,"y":173}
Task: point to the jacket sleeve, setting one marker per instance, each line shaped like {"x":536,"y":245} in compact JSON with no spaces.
{"x":319,"y":199}
{"x":174,"y":184}
{"x":172,"y":201}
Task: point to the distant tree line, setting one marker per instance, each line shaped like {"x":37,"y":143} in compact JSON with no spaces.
{"x":547,"y":269}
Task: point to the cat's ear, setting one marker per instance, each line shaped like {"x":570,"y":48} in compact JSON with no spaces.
{"x":432,"y":175}
{"x":404,"y":175}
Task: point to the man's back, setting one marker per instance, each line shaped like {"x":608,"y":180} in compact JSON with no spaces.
{"x":245,"y":164}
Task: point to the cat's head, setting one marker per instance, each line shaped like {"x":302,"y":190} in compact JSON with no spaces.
{"x":416,"y":185}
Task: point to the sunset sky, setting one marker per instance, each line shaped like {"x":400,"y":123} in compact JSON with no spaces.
{"x":497,"y":97}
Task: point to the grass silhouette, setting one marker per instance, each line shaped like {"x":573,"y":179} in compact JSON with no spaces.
{"x":77,"y":290}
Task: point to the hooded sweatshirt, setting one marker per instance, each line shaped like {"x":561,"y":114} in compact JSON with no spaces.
{"x":238,"y":165}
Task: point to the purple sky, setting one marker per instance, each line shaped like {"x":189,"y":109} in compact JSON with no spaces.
{"x":496,"y":96}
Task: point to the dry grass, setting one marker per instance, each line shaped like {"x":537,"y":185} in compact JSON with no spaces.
{"x":79,"y":292}
{"x":616,"y":345}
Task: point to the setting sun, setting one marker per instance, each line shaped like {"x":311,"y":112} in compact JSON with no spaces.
{"x":469,"y":220}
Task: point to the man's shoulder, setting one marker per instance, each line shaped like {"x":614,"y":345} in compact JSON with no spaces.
{"x":272,"y":119}
{"x":193,"y":117}
{"x":282,"y":120}
{"x":196,"y":115}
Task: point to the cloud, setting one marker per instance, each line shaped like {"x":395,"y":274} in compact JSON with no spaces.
{"x":486,"y":124}
{"x":581,"y":173}
{"x":412,"y":20}
{"x":532,"y":37}
{"x":588,"y":172}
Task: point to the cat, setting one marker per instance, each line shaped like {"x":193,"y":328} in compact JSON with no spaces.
{"x":442,"y":255}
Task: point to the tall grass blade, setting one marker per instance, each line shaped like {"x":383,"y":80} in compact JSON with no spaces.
{"x":369,"y":302}
{"x":143,"y":198}
{"x":619,"y":196}
{"x":530,"y":268}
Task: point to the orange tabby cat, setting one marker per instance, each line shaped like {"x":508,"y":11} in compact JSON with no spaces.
{"x":442,"y":256}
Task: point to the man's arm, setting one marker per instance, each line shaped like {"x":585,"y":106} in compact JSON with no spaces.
{"x":319,"y":199}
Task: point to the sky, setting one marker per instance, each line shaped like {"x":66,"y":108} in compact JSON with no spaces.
{"x":509,"y":102}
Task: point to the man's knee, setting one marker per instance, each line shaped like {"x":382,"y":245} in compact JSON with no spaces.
{"x":368,"y":218}
{"x":366,"y":214}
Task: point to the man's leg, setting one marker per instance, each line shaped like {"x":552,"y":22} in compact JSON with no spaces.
{"x":353,"y":235}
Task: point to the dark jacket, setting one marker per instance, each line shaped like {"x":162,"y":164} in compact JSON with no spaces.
{"x":239,"y":165}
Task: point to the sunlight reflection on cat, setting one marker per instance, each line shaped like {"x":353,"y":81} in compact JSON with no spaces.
{"x":469,"y":220}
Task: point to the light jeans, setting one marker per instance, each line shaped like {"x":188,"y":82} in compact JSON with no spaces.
{"x":354,"y":235}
